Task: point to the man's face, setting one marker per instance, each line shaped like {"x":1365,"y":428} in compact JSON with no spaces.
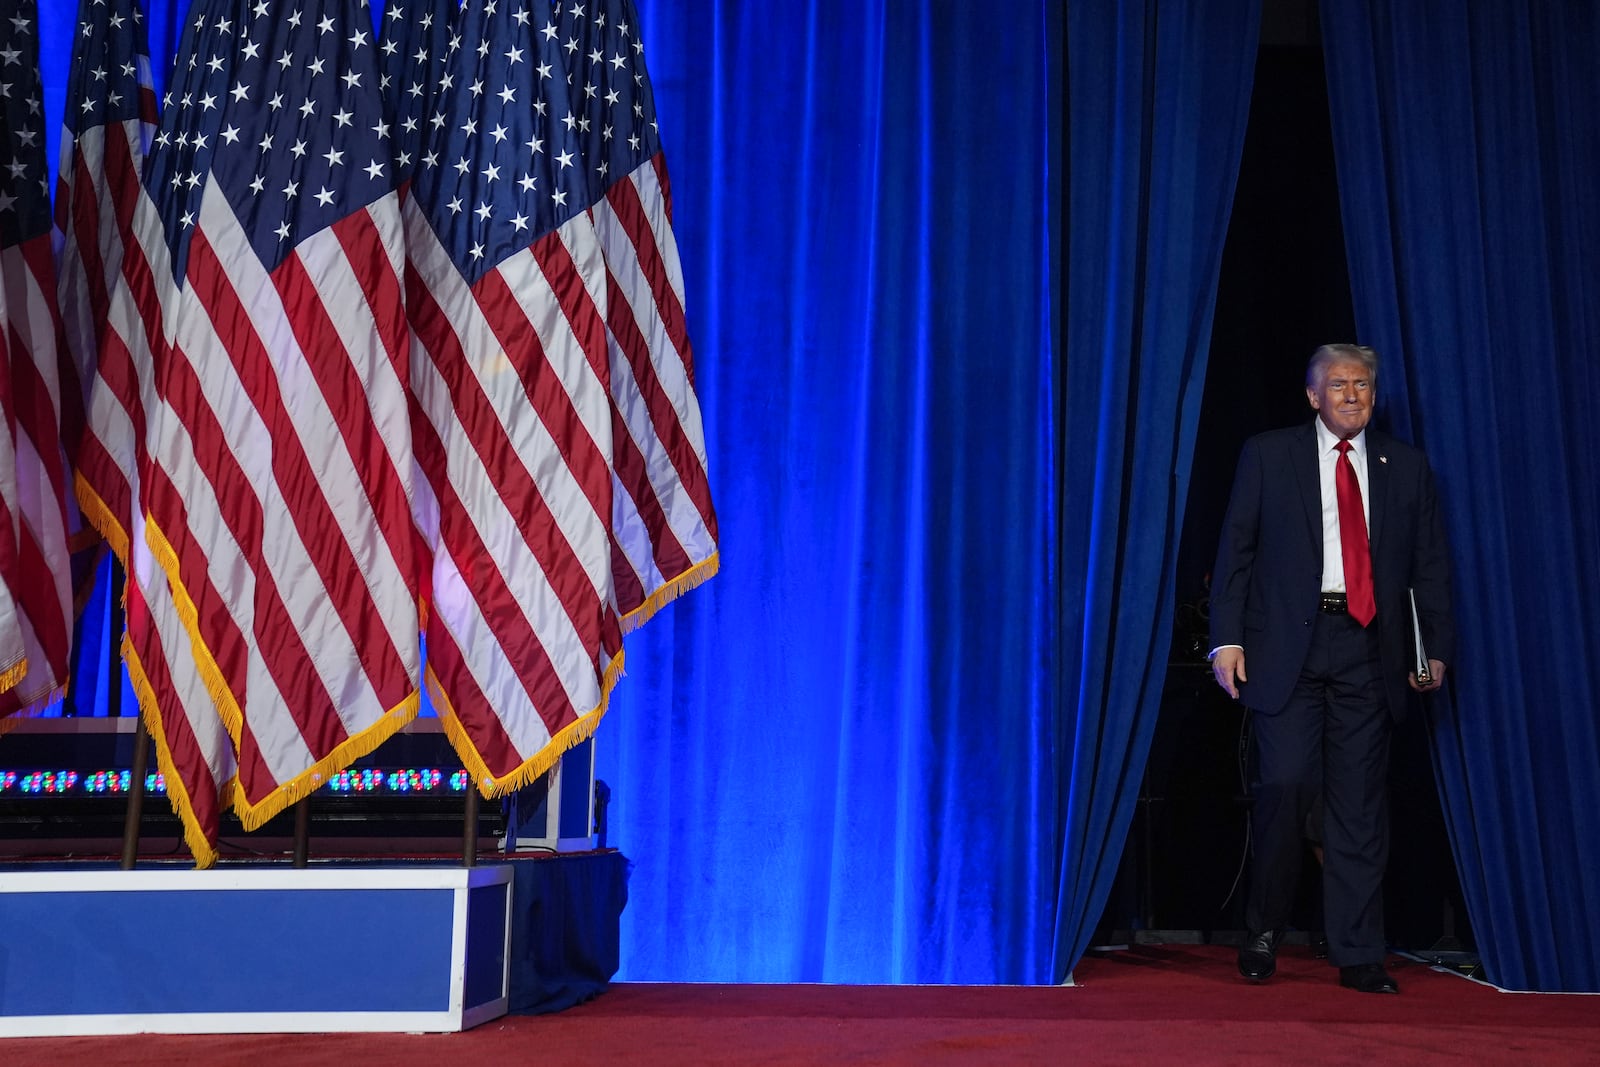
{"x":1343,"y":399}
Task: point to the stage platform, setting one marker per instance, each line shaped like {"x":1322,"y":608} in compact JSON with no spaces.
{"x":365,"y":946}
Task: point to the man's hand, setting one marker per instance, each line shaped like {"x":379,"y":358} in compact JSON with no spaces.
{"x":1435,"y":668}
{"x":1228,"y":665}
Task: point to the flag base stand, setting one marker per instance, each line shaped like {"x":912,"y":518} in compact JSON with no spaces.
{"x":266,"y":948}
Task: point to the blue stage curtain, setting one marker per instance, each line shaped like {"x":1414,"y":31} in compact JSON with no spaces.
{"x":1157,"y":101}
{"x":836,"y":761}
{"x":1468,"y":146}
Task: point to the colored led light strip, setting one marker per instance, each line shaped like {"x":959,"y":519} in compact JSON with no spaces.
{"x":367,"y":781}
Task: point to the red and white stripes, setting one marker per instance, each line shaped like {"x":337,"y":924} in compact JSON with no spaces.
{"x":514,"y":434}
{"x":35,"y":506}
{"x":282,"y":510}
{"x":664,"y":524}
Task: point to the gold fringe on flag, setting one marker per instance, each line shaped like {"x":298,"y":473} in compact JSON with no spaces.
{"x":194,"y":835}
{"x":13,"y":674}
{"x":536,"y":766}
{"x":98,"y":515}
{"x":302,"y":785}
{"x":308,"y":781}
{"x":692,"y":578}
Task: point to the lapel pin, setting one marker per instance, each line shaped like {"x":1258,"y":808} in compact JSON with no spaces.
{"x":1383,"y":459}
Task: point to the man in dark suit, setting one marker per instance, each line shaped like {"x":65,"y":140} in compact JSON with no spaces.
{"x":1329,"y":526}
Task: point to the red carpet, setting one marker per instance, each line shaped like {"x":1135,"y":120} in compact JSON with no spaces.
{"x":1152,"y":1004}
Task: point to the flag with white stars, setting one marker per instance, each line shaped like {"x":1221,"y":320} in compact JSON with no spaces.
{"x":664,"y":525}
{"x":506,"y":291}
{"x":35,"y":609}
{"x":415,"y":44}
{"x":275,"y":107}
{"x":111,"y":308}
{"x":278,"y":489}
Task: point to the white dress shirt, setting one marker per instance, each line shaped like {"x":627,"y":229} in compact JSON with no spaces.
{"x":1327,"y":464}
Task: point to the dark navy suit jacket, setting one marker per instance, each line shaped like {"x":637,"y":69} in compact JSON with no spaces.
{"x":1267,"y":584}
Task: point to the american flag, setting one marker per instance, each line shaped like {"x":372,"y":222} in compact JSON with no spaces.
{"x":111,"y":304}
{"x":110,"y":117}
{"x":506,"y":291}
{"x":36,"y":613}
{"x":279,"y":485}
{"x":664,"y":526}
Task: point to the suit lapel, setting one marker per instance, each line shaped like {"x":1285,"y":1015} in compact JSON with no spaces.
{"x":1303,"y":458}
{"x":1377,"y":489}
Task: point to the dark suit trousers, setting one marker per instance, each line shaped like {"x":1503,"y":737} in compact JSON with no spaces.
{"x":1331,"y":737}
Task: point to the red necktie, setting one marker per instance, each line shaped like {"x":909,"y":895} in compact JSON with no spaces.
{"x":1353,"y":539}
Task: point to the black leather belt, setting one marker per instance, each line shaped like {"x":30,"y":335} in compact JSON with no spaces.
{"x":1335,"y":604}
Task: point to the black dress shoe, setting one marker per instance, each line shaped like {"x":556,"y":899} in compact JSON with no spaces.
{"x":1319,"y":946}
{"x":1367,"y":978}
{"x":1258,"y":956}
